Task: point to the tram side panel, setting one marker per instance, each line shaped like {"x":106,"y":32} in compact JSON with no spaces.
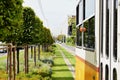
{"x":86,"y":68}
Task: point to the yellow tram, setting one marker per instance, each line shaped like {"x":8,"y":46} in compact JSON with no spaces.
{"x":98,"y":40}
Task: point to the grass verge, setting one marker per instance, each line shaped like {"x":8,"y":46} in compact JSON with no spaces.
{"x":60,"y":69}
{"x":70,"y":57}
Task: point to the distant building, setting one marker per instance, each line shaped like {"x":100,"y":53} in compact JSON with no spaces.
{"x":71,"y":24}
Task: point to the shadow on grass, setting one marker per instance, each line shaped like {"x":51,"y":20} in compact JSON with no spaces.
{"x":63,"y":65}
{"x":62,"y":78}
{"x":61,"y":70}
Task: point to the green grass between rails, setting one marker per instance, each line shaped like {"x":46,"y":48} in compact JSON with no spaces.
{"x":60,"y":69}
{"x":70,"y":57}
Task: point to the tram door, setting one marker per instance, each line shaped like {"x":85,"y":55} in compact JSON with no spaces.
{"x":108,"y":39}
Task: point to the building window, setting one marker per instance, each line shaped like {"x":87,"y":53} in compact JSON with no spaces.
{"x":115,"y":29}
{"x":114,"y":74}
{"x":107,"y":27}
{"x":89,"y":8}
{"x":106,"y":72}
{"x":79,"y":37}
{"x":70,"y":30}
{"x":77,"y":15}
{"x":89,"y":34}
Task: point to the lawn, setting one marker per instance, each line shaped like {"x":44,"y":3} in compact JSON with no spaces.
{"x":3,"y":75}
{"x":60,"y":69}
{"x":35,"y":72}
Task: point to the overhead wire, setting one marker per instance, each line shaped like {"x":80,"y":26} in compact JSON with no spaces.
{"x":41,"y":9}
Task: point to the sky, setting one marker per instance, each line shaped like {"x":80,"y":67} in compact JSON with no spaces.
{"x":53,"y":13}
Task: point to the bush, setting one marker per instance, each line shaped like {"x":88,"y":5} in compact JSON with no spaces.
{"x":45,"y":71}
{"x":50,"y":62}
{"x":3,"y":75}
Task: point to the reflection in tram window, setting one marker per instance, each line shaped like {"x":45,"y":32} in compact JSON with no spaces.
{"x":115,"y":29}
{"x":89,"y":8}
{"x":81,"y":11}
{"x":107,"y":28}
{"x":89,"y":34}
{"x":79,"y":37}
{"x":77,"y":15}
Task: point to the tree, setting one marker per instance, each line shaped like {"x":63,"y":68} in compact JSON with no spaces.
{"x":61,"y":37}
{"x":46,"y":39}
{"x":11,"y":19}
{"x":36,"y":34}
{"x":37,"y":30}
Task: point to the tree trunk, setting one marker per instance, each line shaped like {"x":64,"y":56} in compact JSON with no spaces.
{"x":17,"y":60}
{"x":47,"y":47}
{"x":26,"y":59}
{"x":7,"y":59}
{"x":31,"y":51}
{"x":38,"y":52}
{"x":27,"y":56}
{"x":43,"y":47}
{"x":10,"y":61}
{"x":35,"y":55}
{"x":14,"y":65}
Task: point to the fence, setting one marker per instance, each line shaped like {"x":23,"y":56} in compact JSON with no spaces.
{"x":13,"y":58}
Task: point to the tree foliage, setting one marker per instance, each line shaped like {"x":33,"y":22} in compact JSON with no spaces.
{"x":20,"y":24}
{"x":61,"y":37}
{"x":10,"y":19}
{"x":28,"y":24}
{"x":37,"y":30}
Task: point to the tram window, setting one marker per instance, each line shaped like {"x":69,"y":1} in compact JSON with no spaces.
{"x":115,"y":29}
{"x":114,"y":74}
{"x":89,"y":8}
{"x":101,"y":71}
{"x":81,"y":11}
{"x":79,"y":37}
{"x":77,"y":15}
{"x":89,"y":34}
{"x":107,"y":28}
{"x":106,"y":72}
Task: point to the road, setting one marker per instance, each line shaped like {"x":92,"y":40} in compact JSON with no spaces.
{"x":3,"y":54}
{"x":70,"y":49}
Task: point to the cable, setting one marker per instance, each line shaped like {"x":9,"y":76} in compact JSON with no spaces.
{"x":41,"y":9}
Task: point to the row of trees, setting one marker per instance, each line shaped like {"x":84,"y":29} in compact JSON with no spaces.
{"x":20,"y":26}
